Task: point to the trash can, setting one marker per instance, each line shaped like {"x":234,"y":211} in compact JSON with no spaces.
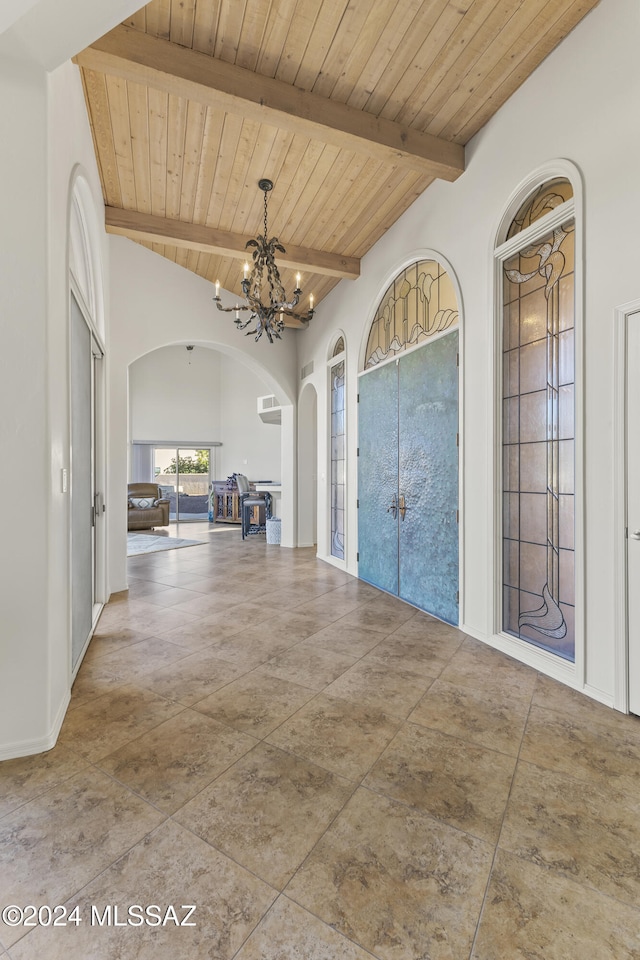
{"x":273,"y":530}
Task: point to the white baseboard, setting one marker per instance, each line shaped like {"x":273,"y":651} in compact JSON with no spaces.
{"x":26,"y":748}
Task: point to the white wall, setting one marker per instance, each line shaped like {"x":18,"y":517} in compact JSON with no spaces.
{"x":175,"y":395}
{"x":249,"y":446}
{"x":202,"y":395}
{"x":50,"y":137}
{"x":581,"y":104}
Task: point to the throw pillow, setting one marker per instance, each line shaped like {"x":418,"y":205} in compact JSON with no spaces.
{"x":142,"y":502}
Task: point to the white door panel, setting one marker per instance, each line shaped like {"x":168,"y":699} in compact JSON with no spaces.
{"x":633,"y":507}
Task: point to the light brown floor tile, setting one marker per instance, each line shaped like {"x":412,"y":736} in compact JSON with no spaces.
{"x":143,"y":589}
{"x":174,"y":761}
{"x":337,"y":638}
{"x":422,"y":654}
{"x":289,"y":932}
{"x":110,"y":640}
{"x":475,"y":664}
{"x":27,"y":777}
{"x":97,"y":728}
{"x":140,"y":659}
{"x":330,"y":606}
{"x":556,"y":696}
{"x":376,"y":618}
{"x":359,"y":589}
{"x":56,"y":843}
{"x":193,"y":678}
{"x":310,"y":668}
{"x":557,"y":742}
{"x":254,"y":645}
{"x":377,"y":686}
{"x":208,"y":604}
{"x":171,"y":596}
{"x":196,"y":635}
{"x":455,"y":781}
{"x":344,"y":737}
{"x":267,"y":811}
{"x":582,"y":830}
{"x":229,"y":902}
{"x":255,"y":703}
{"x":237,"y":618}
{"x":297,"y":624}
{"x":397,"y":882}
{"x":93,"y":680}
{"x":154,"y":619}
{"x":530,"y":914}
{"x":440,"y":633}
{"x":496,"y":722}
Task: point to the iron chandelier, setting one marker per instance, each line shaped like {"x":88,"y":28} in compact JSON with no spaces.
{"x":264,"y":278}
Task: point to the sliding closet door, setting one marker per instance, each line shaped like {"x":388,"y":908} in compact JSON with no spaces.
{"x":428,"y":477}
{"x":378,"y":477}
{"x":82,"y":531}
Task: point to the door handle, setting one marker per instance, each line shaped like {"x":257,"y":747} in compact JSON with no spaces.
{"x":403,"y":507}
{"x":392,"y":508}
{"x":635,"y":535}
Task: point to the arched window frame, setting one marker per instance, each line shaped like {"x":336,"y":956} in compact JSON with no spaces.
{"x":572,"y":673}
{"x":333,"y":360}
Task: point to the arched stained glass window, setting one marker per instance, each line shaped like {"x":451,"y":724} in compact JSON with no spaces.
{"x":542,"y":201}
{"x":339,"y":347}
{"x":420,"y":303}
{"x":538,"y":387}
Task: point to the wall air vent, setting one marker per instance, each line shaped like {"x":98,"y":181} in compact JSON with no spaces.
{"x":306,"y":370}
{"x":269,"y":409}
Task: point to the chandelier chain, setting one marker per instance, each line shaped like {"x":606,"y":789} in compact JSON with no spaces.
{"x":265,"y":215}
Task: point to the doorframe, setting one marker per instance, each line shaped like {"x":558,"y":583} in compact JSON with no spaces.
{"x":98,"y":430}
{"x":428,"y":253}
{"x":622,"y":314}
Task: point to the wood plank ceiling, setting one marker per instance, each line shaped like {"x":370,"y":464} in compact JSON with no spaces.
{"x":351,"y":107}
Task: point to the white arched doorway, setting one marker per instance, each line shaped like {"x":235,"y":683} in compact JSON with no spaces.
{"x":307,"y":466}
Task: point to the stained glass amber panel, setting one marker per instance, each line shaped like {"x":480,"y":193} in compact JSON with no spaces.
{"x":420,"y":303}
{"x":538,"y":432}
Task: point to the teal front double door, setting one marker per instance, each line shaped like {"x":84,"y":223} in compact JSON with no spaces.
{"x":408,"y":477}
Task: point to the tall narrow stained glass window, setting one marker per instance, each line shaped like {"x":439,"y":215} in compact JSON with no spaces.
{"x":338,"y":458}
{"x":538,"y":428}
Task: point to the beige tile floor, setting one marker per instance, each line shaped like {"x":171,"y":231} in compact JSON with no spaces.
{"x":326,"y":773}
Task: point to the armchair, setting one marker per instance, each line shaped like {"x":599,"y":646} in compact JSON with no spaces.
{"x":144,"y":517}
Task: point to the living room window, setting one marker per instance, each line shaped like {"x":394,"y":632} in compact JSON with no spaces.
{"x":184,"y":475}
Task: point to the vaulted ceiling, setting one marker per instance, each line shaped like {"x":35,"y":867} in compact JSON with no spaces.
{"x":351,"y":107}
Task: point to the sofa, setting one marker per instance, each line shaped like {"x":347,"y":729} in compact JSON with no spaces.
{"x":141,"y":516}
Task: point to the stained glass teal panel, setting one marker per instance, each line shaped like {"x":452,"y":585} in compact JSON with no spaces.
{"x":428,"y":477}
{"x":378,"y":477}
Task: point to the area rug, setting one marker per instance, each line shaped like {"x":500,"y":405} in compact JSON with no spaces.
{"x":148,"y":543}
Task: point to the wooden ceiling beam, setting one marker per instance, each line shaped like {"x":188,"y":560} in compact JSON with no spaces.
{"x":193,"y":236}
{"x":141,"y":58}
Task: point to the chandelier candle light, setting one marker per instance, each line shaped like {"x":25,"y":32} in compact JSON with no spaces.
{"x":263,"y":278}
